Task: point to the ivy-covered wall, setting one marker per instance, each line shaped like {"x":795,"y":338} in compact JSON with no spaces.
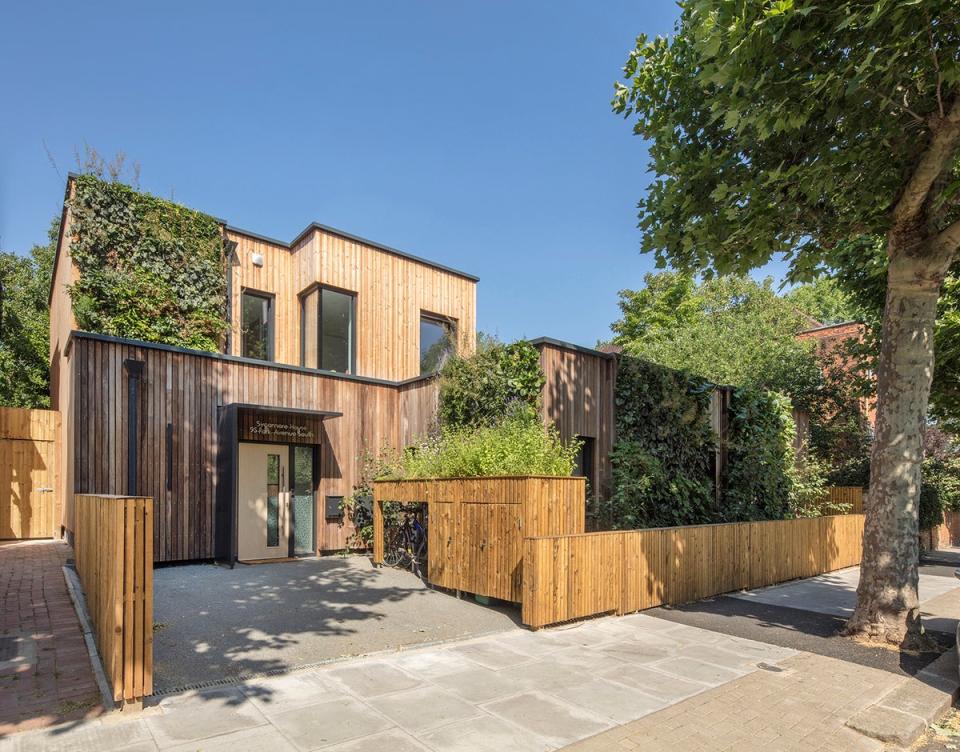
{"x":149,"y":269}
{"x":663,"y":460}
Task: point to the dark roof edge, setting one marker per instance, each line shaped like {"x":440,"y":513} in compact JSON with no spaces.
{"x":823,"y":327}
{"x":356,"y":239}
{"x":272,"y":408}
{"x":571,"y":346}
{"x":77,"y":334}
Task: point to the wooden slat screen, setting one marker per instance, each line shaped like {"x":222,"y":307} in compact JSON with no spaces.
{"x":113,"y":545}
{"x":30,"y":489}
{"x":852,"y":495}
{"x":573,"y":576}
{"x":476,"y":526}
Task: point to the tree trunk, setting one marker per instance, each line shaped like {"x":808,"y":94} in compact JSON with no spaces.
{"x":888,"y":607}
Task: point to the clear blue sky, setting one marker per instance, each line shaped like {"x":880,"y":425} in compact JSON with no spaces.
{"x":475,"y":134}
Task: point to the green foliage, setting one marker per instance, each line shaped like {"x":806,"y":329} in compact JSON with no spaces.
{"x":787,"y":127}
{"x":149,"y":269}
{"x":729,"y":330}
{"x":931,"y":505}
{"x":825,"y":300}
{"x":25,"y":324}
{"x":761,"y":470}
{"x":661,"y":461}
{"x":358,"y":506}
{"x":943,"y":475}
{"x":517,"y":445}
{"x":861,"y":271}
{"x":495,"y":381}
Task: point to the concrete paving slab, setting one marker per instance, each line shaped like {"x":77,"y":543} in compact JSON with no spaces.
{"x":425,"y":708}
{"x":428,"y":664}
{"x":657,"y":684}
{"x":836,"y":592}
{"x":200,"y":715}
{"x":719,"y":655}
{"x":327,"y":723}
{"x":636,"y":651}
{"x":248,"y":740}
{"x":372,"y":678}
{"x":485,"y":734}
{"x":394,"y":740}
{"x":888,"y":725}
{"x":689,"y":668}
{"x":549,"y":718}
{"x":491,"y":653}
{"x":919,"y":699}
{"x":479,"y":685}
{"x":89,"y":737}
{"x":611,"y":700}
{"x":279,"y":693}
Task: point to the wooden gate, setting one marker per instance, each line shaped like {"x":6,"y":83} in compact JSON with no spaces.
{"x":29,"y":505}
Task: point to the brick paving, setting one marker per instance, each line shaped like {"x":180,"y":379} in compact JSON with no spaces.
{"x":803,"y":707}
{"x":45,"y":676}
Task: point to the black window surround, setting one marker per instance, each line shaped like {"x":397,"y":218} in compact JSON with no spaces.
{"x":318,"y":288}
{"x":268,"y":298}
{"x":450,"y":325}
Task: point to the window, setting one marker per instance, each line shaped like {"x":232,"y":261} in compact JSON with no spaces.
{"x":327,"y":330}
{"x":273,"y":500}
{"x":438,"y":341}
{"x":584,"y":463}
{"x":257,"y":325}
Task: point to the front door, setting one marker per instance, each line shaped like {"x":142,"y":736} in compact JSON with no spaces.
{"x":263,"y":502}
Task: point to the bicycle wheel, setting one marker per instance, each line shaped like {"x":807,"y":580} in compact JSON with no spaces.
{"x":394,"y":552}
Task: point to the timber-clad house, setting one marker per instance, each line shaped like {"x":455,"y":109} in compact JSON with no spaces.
{"x":333,"y":342}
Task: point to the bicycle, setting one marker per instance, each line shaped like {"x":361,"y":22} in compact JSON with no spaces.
{"x":408,"y":545}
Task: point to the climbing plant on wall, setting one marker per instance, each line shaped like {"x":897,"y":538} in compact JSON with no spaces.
{"x":148,"y":268}
{"x":661,"y":461}
{"x":496,"y":381}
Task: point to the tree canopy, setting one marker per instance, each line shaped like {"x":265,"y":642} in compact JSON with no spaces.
{"x":24,"y":324}
{"x":788,"y":127}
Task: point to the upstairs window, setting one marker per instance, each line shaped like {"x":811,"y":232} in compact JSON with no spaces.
{"x":438,"y":341}
{"x":256,"y":325}
{"x":327,"y":330}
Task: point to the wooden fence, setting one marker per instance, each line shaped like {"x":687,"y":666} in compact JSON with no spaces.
{"x":573,"y":576}
{"x":476,"y":526}
{"x":852,"y":495}
{"x":29,"y":459}
{"x":113,"y":544}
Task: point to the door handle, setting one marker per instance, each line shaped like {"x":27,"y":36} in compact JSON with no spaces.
{"x":44,"y":490}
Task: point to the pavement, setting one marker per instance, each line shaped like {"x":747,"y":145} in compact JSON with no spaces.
{"x":761,"y":672}
{"x":45,"y":672}
{"x":520,"y":691}
{"x":232,"y":624}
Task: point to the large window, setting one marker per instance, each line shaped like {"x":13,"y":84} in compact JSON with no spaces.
{"x":327,"y":330}
{"x":438,"y":341}
{"x":257,"y":325}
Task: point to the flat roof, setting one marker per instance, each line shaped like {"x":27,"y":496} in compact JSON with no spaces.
{"x":570,"y":346}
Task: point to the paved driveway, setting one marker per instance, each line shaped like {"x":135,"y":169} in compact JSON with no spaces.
{"x":214,"y":624}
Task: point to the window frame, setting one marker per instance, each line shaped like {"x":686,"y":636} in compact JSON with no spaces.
{"x":319,"y":287}
{"x":437,"y":318}
{"x":271,"y":323}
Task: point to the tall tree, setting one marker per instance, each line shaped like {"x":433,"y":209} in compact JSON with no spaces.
{"x":787,"y":127}
{"x":25,"y":324}
{"x":728,"y":330}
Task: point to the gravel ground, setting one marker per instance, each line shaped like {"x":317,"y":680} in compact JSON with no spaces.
{"x":215,"y":624}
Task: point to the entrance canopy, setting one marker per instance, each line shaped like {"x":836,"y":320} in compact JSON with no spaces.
{"x":254,"y":423}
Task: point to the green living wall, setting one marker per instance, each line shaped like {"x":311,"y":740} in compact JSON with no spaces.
{"x":663,"y":460}
{"x":149,"y":269}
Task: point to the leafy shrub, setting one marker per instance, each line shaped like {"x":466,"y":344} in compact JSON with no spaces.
{"x":517,"y":445}
{"x":761,"y":472}
{"x":358,"y":506}
{"x":943,"y":475}
{"x":495,"y":381}
{"x":931,"y":506}
{"x":661,"y":461}
{"x":149,"y":269}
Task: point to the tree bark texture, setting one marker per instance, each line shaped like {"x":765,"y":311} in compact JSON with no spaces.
{"x":888,"y":606}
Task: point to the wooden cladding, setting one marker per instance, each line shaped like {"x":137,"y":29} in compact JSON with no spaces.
{"x":29,"y":470}
{"x":113,"y":546}
{"x":573,"y":576}
{"x":390,"y":292}
{"x":177,"y":466}
{"x":476,"y":526}
{"x":279,"y":427}
{"x":578,"y":398}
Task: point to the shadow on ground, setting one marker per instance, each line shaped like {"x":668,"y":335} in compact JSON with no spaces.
{"x":214,"y":624}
